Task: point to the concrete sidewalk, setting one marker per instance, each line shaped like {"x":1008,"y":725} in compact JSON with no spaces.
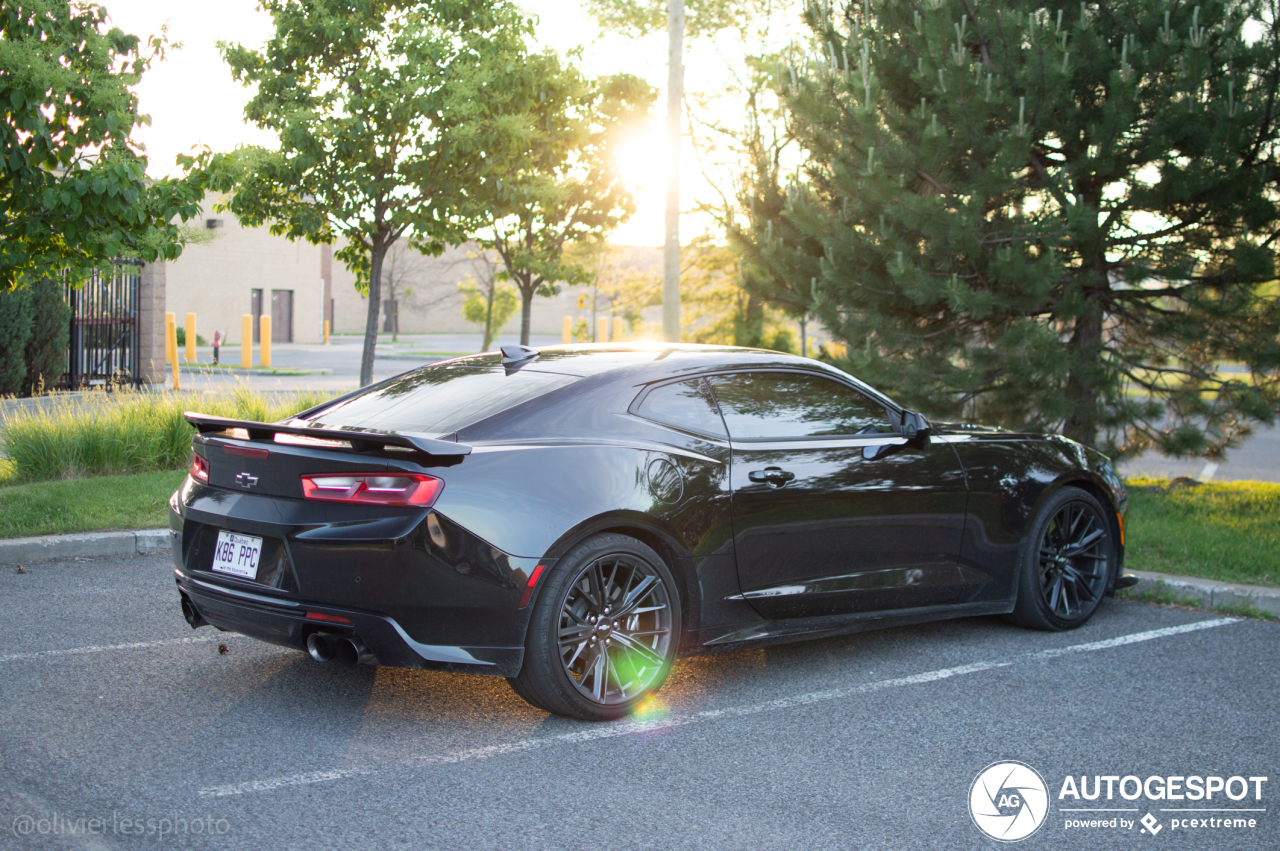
{"x":1189,"y":590}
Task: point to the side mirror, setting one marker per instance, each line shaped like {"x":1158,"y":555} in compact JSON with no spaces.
{"x":915,"y":427}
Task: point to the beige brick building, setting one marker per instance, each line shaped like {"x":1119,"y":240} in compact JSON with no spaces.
{"x":248,"y":271}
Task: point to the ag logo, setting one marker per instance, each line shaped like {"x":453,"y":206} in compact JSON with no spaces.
{"x":1008,"y":801}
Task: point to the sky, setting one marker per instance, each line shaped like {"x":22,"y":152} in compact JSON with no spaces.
{"x":192,"y":99}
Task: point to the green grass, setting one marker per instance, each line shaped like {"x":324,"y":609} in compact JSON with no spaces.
{"x":1170,"y":598}
{"x":1228,"y":531}
{"x":128,"y":433}
{"x":87,"y":505}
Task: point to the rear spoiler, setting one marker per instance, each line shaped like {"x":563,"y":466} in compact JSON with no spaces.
{"x":206,"y":423}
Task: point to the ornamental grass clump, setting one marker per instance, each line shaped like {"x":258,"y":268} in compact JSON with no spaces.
{"x":124,"y":432}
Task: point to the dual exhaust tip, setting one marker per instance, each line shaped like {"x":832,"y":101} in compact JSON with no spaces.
{"x":326,"y":647}
{"x":321,"y":646}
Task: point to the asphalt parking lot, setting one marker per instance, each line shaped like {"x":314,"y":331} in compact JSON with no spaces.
{"x":113,"y":709}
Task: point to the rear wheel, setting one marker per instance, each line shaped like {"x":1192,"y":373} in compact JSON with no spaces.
{"x":1066,"y":561}
{"x":603,"y":633}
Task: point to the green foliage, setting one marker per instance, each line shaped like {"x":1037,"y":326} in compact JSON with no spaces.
{"x":489,"y":304}
{"x":1228,"y":531}
{"x":15,"y":331}
{"x":1041,"y":218}
{"x":125,"y":433}
{"x":181,"y":333}
{"x":390,"y":115}
{"x":566,"y":188}
{"x":139,"y":501}
{"x":46,"y":351}
{"x":73,"y":193}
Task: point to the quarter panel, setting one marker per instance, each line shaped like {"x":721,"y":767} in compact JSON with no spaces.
{"x":1009,"y":477}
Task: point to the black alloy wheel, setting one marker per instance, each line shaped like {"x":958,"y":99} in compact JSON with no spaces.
{"x":1066,"y":562}
{"x":604,"y":632}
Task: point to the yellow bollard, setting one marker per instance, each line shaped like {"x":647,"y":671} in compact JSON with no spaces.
{"x":326,"y":331}
{"x":568,"y":329}
{"x":246,"y":341}
{"x":617,"y":329}
{"x":171,"y":343}
{"x":191,"y":338}
{"x":170,"y":352}
{"x":602,"y":330}
{"x":264,"y":339}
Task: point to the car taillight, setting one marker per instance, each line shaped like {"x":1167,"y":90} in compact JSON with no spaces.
{"x":373,"y":488}
{"x":199,"y":468}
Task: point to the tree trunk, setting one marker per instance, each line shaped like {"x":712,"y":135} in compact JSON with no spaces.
{"x":375,"y":313}
{"x":488,"y":316}
{"x":526,"y":312}
{"x":1082,"y":385}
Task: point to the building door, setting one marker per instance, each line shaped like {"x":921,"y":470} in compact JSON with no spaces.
{"x":282,"y":316}
{"x":255,"y":308}
{"x":390,"y":317}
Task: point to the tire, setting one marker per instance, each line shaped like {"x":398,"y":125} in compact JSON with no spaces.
{"x":1066,"y":561}
{"x":586,"y":655}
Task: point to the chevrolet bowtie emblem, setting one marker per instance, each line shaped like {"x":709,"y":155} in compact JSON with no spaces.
{"x":245,"y":480}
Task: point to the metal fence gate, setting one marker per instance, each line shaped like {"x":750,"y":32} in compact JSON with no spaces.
{"x":103,"y":347}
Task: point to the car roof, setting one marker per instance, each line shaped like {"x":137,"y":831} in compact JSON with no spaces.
{"x":644,"y":362}
{"x":658,"y":360}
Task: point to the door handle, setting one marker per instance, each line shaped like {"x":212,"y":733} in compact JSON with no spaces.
{"x":772,"y":476}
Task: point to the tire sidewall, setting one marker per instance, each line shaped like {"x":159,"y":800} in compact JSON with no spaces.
{"x":542,"y":652}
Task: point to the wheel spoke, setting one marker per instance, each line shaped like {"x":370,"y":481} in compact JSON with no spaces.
{"x":1079,"y":546}
{"x":572,"y":634}
{"x":634,"y":596}
{"x":639,"y":648}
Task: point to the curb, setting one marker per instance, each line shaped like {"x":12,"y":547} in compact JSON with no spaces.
{"x":210,"y":369}
{"x":1208,"y":593}
{"x":84,"y":545}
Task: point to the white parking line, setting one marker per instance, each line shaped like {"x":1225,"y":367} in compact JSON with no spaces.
{"x":105,"y":648}
{"x":633,"y":726}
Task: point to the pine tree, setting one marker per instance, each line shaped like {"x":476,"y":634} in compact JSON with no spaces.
{"x":1046,"y":217}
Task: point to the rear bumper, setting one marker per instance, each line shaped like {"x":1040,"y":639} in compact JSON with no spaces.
{"x":285,"y":622}
{"x":420,"y":591}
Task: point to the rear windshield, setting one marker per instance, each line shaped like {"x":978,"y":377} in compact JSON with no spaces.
{"x":439,"y":399}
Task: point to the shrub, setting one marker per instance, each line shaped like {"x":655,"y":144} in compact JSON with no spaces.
{"x":15,"y":331}
{"x":180,"y":332}
{"x":46,"y":351}
{"x":126,"y":432}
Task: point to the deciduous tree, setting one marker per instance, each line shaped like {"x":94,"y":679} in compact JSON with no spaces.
{"x":73,"y":187}
{"x":567,"y":187}
{"x":391,"y":115}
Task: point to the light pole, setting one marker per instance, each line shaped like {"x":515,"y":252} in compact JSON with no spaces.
{"x":671,"y":247}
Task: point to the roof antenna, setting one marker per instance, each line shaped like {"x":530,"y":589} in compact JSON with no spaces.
{"x":515,"y":354}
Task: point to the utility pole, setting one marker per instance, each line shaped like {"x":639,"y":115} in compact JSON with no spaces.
{"x":675,"y":101}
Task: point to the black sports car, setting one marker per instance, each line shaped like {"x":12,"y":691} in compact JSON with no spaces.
{"x":574,"y":518}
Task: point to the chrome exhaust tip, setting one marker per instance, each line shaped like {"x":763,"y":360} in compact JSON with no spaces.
{"x":320,"y":647}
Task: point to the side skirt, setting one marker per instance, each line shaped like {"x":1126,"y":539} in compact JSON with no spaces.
{"x":741,"y":636}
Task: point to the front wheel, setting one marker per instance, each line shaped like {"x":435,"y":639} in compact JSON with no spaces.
{"x":603,"y":633}
{"x":1066,"y":561}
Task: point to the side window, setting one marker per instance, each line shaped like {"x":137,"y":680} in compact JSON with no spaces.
{"x":687,"y":405}
{"x":771,"y":405}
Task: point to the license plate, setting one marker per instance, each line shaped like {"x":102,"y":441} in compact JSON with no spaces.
{"x":237,"y":554}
